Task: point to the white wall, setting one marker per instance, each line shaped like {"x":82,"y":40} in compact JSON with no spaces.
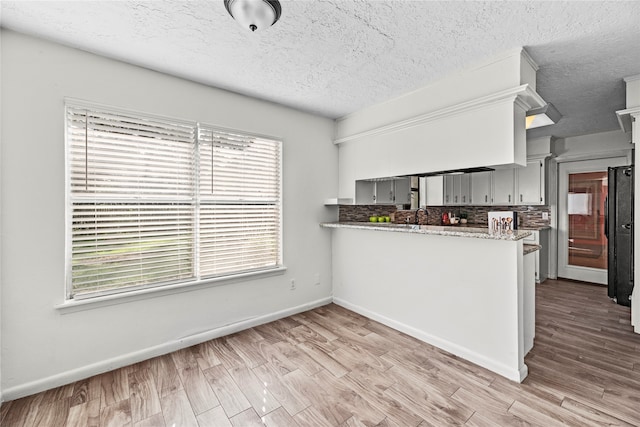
{"x":461,"y":294}
{"x":1,"y":399}
{"x":41,"y":347}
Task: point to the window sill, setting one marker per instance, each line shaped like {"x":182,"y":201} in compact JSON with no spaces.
{"x":72,"y":306}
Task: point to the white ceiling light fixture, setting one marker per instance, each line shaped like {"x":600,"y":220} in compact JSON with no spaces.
{"x":543,"y":116}
{"x":254,"y":14}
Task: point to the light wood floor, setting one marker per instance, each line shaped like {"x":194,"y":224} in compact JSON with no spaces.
{"x":331,"y":367}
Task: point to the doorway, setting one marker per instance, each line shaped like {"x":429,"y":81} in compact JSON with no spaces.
{"x":582,"y":244}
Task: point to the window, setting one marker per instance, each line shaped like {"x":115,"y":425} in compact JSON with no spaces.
{"x":156,"y":201}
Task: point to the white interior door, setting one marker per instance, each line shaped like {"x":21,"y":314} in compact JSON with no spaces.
{"x":582,"y":246}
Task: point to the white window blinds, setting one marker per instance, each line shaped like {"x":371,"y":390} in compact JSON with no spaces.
{"x":156,"y":201}
{"x":239,"y":202}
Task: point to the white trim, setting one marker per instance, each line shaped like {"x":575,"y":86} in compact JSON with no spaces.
{"x":594,"y":156}
{"x":541,"y":156}
{"x":93,"y":105}
{"x":86,"y":371}
{"x":625,"y":117}
{"x":75,"y":305}
{"x":631,"y":78}
{"x":513,"y":374}
{"x":523,"y":95}
{"x":524,"y":54}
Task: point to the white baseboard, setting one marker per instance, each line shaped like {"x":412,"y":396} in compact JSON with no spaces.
{"x":87,"y":371}
{"x":514,"y":374}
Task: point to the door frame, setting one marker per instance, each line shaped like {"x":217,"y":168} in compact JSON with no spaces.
{"x":586,"y":274}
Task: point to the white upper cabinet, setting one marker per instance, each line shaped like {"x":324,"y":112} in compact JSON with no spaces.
{"x":531,"y":183}
{"x":480,"y":188}
{"x":434,"y":194}
{"x":503,"y":187}
{"x":384,"y":192}
{"x":457,"y":189}
{"x":402,"y":191}
{"x":449,"y":190}
{"x":510,"y":187}
{"x":465,"y":188}
{"x":365,"y":192}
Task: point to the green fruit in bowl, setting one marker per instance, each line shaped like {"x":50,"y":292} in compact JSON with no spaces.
{"x":380,"y":219}
{"x":373,"y":219}
{"x":387,"y":219}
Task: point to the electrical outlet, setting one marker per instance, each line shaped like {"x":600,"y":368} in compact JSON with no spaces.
{"x":545,"y":215}
{"x":293,"y":284}
{"x":316,"y":279}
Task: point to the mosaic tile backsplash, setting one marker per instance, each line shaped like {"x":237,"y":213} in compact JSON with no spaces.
{"x":528,"y":216}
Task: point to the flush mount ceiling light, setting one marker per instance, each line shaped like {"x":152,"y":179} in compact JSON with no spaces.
{"x":254,"y":14}
{"x":544,"y":116}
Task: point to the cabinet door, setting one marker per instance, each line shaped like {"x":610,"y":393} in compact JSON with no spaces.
{"x":480,"y":188}
{"x":530,"y":183}
{"x":503,"y":187}
{"x":365,"y":192}
{"x":434,"y":192}
{"x":456,"y":189}
{"x":402,"y":191}
{"x":465,"y":188}
{"x":449,"y":191}
{"x":384,"y":192}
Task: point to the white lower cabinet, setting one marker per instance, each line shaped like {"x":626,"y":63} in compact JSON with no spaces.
{"x":529,"y":302}
{"x":541,"y":258}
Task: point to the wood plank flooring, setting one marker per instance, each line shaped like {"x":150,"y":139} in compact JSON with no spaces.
{"x":332,"y":367}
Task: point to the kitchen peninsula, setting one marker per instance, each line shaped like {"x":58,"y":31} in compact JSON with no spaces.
{"x":460,"y":289}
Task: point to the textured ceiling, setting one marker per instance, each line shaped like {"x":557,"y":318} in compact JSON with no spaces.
{"x":334,"y":57}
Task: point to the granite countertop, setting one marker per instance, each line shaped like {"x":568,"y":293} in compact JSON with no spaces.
{"x":535,"y":227}
{"x":442,"y":230}
{"x":520,"y":227}
{"x":528,"y":248}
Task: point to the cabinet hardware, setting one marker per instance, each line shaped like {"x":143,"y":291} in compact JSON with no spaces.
{"x":486,"y":198}
{"x":509,"y":198}
{"x":521,"y":197}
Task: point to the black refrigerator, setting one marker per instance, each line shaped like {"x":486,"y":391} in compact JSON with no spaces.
{"x":619,"y":232}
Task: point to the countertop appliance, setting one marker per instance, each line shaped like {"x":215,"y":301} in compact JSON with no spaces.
{"x":619,"y":232}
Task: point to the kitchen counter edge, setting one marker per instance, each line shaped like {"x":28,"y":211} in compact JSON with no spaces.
{"x":478,"y":233}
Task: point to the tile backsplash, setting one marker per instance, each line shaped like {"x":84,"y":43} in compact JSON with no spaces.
{"x":528,"y":216}
{"x":361,"y":213}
